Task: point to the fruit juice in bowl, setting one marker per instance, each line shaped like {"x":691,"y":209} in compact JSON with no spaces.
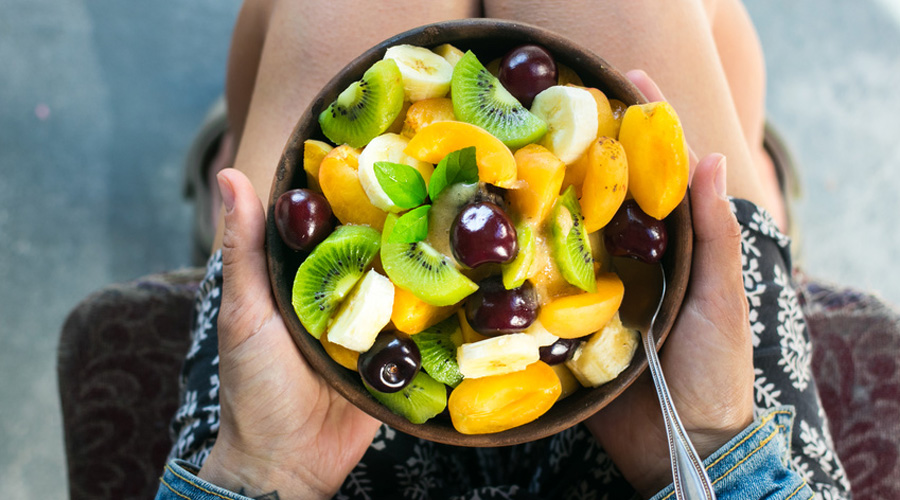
{"x":462,"y":289}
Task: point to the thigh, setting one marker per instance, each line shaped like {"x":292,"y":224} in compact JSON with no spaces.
{"x":305,"y":44}
{"x":674,"y":42}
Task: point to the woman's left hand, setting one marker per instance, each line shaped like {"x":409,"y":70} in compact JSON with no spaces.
{"x":707,"y":358}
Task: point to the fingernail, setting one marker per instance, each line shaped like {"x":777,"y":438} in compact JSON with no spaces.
{"x":227,"y":192}
{"x":719,"y":178}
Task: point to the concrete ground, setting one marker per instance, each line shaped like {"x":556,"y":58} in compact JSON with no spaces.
{"x":98,"y":101}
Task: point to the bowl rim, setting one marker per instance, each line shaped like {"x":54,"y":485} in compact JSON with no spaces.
{"x":289,"y":174}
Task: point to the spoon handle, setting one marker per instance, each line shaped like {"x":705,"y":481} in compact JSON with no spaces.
{"x":689,"y":475}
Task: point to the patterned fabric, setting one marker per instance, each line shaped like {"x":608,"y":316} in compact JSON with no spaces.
{"x":856,"y":364}
{"x":119,"y":355}
{"x":569,"y":464}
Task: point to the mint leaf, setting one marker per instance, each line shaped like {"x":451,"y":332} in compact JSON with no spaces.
{"x":411,"y":226}
{"x":458,"y":166}
{"x":403,"y":184}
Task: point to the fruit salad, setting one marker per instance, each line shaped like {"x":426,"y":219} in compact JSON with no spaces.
{"x":459,"y":224}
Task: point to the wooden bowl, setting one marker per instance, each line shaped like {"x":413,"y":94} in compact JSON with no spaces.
{"x":489,"y":39}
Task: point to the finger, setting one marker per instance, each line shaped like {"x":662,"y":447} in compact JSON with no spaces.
{"x":717,"y":236}
{"x":651,"y":91}
{"x":246,"y":294}
{"x":645,"y":84}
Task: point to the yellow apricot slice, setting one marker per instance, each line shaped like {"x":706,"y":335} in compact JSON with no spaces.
{"x":339,"y":180}
{"x":575,"y":173}
{"x":433,"y":142}
{"x":340,"y":354}
{"x":567,"y":76}
{"x":426,"y":112}
{"x":576,"y":316}
{"x":313,"y":152}
{"x":618,"y":110}
{"x":500,"y":402}
{"x":540,"y":174}
{"x":609,"y":126}
{"x":605,"y":182}
{"x":657,"y":157}
{"x":411,"y":314}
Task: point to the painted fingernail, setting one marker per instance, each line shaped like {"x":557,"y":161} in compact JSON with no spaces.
{"x":227,"y":191}
{"x":719,"y":178}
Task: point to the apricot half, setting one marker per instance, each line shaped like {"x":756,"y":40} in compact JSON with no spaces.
{"x":657,"y":157}
{"x":425,"y":112}
{"x":339,"y":180}
{"x":411,"y":314}
{"x":500,"y":402}
{"x":540,"y":174}
{"x":605,"y":182}
{"x":576,"y":316}
{"x":433,"y":142}
{"x":340,"y":354}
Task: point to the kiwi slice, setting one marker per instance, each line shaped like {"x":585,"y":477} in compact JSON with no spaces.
{"x":480,"y":99}
{"x":437,"y":345}
{"x":418,"y":402}
{"x":419,"y":268}
{"x":516,"y":272}
{"x":569,"y":243}
{"x":329,"y":273}
{"x":366,"y":108}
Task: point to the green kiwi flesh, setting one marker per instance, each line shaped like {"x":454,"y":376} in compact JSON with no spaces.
{"x":516,"y":272}
{"x":330,"y":272}
{"x":437,"y":345}
{"x":418,"y":402}
{"x":366,"y":108}
{"x":419,"y":268}
{"x":480,"y":99}
{"x":569,"y":243}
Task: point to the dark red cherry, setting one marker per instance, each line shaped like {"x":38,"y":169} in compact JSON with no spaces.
{"x":559,"y":351}
{"x":633,"y":233}
{"x":494,"y":310}
{"x":303,"y":218}
{"x":482,"y":233}
{"x":526,"y":71}
{"x":391,"y":363}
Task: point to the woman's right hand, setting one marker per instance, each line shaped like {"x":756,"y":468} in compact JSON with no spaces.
{"x":282,"y":427}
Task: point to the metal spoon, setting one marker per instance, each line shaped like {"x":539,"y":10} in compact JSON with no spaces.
{"x":643,"y":284}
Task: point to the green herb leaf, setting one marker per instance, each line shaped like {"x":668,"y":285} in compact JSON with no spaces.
{"x":403,"y":184}
{"x":458,"y":166}
{"x":411,"y":226}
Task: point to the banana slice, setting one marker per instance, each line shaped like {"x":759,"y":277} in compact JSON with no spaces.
{"x":572,"y":121}
{"x":425,"y":74}
{"x":497,"y":355}
{"x":605,"y":355}
{"x":363,"y":313}
{"x":386,"y":147}
{"x":450,"y":53}
{"x":541,"y":335}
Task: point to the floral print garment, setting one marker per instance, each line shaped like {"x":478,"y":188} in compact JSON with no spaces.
{"x":569,"y":464}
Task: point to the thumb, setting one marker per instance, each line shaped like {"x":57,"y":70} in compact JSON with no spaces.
{"x":246,"y":293}
{"x":717,"y":235}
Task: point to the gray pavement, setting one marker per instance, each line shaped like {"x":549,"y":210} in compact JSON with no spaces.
{"x":98,"y":101}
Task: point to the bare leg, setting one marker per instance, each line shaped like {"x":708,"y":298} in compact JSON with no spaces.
{"x":303,"y":44}
{"x":704,"y":56}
